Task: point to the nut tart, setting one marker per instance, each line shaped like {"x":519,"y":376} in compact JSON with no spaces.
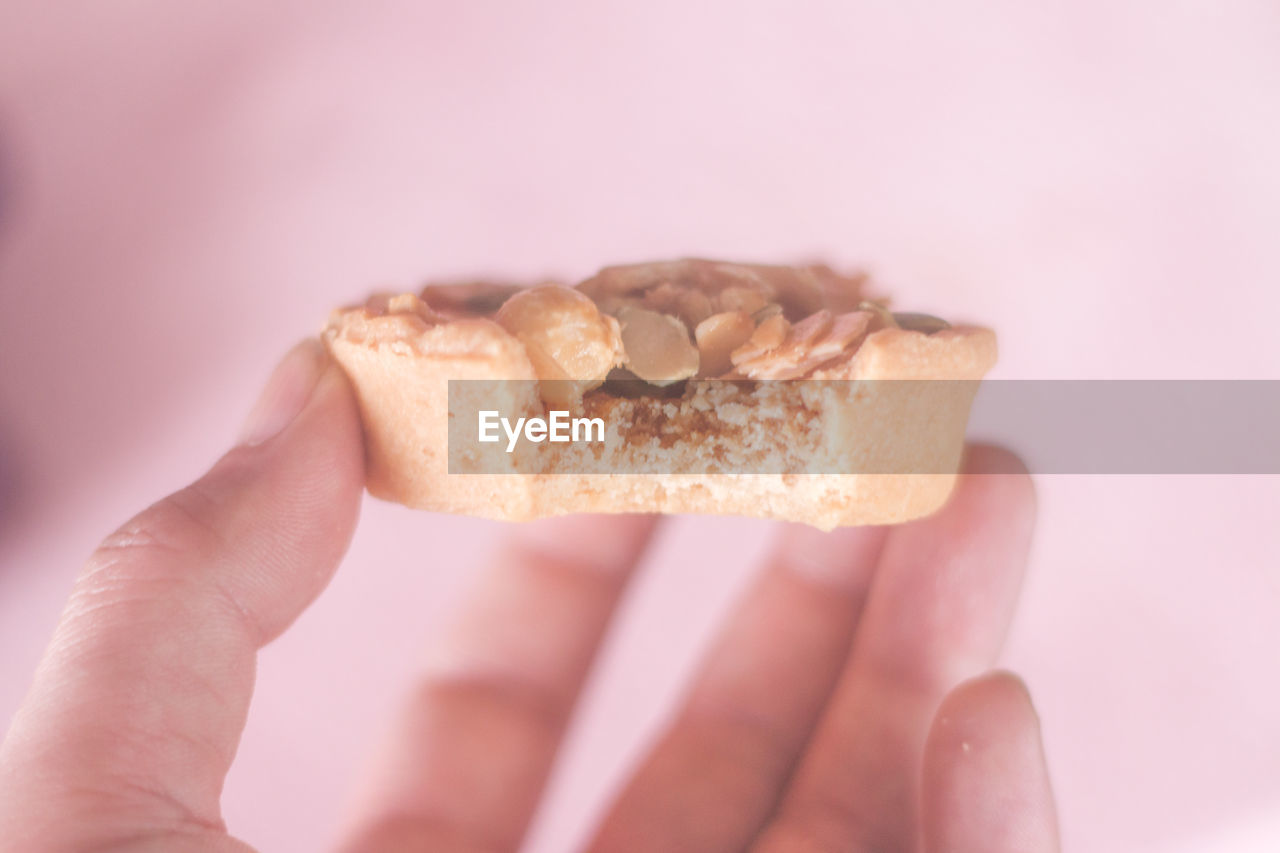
{"x":745,"y":389}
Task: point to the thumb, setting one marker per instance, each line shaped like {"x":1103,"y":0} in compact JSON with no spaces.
{"x":137,"y":707}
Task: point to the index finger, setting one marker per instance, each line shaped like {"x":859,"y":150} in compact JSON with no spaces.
{"x":468,"y":759}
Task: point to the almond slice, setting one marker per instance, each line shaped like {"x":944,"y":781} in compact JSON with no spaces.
{"x":768,"y":335}
{"x":718,"y":336}
{"x":810,"y":329}
{"x":846,"y":330}
{"x":818,"y":339}
{"x":787,"y":359}
{"x":657,"y":346}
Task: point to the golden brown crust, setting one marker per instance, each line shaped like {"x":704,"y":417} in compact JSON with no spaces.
{"x":401,"y":351}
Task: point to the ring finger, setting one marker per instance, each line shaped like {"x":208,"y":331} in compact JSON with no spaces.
{"x":716,"y":775}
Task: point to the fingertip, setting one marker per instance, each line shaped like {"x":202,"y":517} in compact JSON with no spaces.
{"x":842,"y":558}
{"x":307,"y":402}
{"x":332,"y":418}
{"x":999,"y":685}
{"x":606,"y":543}
{"x":982,"y":458}
{"x":1015,"y":479}
{"x":981,"y":707}
{"x":986,"y":783}
{"x":313,"y":472}
{"x":293,"y":496}
{"x":286,"y":392}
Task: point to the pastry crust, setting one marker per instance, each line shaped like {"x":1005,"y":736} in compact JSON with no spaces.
{"x":400,"y":353}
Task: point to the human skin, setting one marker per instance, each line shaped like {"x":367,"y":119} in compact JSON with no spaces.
{"x":847,"y":704}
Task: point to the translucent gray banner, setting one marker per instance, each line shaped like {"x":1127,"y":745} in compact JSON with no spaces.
{"x":863,"y":427}
{"x":1134,"y":426}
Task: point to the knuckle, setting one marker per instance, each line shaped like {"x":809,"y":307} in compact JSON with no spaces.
{"x":424,"y":833}
{"x":790,"y":835}
{"x":178,"y":524}
{"x":507,"y":706}
{"x":829,"y":820}
{"x":156,"y":557}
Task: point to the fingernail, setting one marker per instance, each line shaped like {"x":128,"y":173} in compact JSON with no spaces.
{"x":1013,"y":682}
{"x":287,"y":391}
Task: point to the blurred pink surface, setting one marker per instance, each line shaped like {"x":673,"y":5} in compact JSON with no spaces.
{"x":187,"y":188}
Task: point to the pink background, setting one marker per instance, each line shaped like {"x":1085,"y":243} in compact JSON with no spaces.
{"x":187,"y":188}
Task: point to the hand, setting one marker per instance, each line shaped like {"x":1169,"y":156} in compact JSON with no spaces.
{"x":826,"y":717}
